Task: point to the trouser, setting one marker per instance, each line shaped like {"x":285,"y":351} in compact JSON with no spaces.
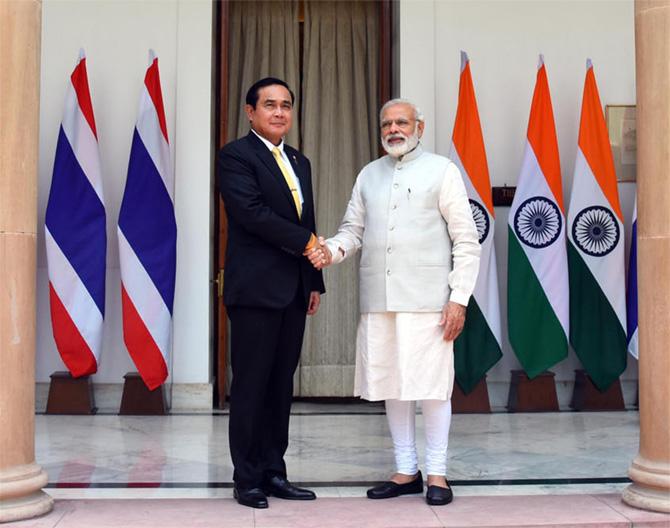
{"x":437,"y":419}
{"x":265,"y":349}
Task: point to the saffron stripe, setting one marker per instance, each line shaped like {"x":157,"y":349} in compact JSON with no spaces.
{"x":468,"y":139}
{"x":542,"y":136}
{"x":595,"y":145}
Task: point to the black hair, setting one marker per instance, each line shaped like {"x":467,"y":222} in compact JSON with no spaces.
{"x":252,"y":94}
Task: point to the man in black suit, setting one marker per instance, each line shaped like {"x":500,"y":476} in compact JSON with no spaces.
{"x":269,"y":288}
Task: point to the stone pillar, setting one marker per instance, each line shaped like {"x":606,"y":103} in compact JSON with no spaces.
{"x":21,"y":480}
{"x":650,"y":470}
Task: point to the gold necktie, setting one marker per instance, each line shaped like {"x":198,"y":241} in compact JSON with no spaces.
{"x":289,"y":180}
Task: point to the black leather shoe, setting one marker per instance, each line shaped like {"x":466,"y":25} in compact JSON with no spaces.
{"x":437,"y":496}
{"x":391,"y":489}
{"x":252,"y":497}
{"x":281,"y":488}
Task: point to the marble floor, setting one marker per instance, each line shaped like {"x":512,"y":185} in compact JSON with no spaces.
{"x":337,"y":449}
{"x":512,"y":470}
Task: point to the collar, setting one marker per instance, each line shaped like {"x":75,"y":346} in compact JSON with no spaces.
{"x":410,"y":156}
{"x":269,"y":144}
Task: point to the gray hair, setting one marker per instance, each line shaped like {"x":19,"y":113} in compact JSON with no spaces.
{"x":418,"y":115}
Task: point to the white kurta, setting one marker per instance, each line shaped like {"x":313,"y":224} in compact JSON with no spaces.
{"x":415,"y":261}
{"x":402,"y":356}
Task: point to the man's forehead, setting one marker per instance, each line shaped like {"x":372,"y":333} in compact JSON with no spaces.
{"x":274,"y":92}
{"x":399,"y":110}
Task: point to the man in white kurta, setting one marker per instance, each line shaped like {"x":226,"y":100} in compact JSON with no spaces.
{"x":409,"y":215}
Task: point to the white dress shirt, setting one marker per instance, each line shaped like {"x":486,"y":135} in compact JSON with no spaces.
{"x":287,"y":162}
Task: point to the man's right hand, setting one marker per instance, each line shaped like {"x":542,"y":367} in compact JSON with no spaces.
{"x":320,"y":256}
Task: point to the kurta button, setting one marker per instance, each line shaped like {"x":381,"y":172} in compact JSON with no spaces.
{"x":389,"y":250}
{"x":395,"y":185}
{"x":394,"y":206}
{"x":388,"y":272}
{"x":391,"y":228}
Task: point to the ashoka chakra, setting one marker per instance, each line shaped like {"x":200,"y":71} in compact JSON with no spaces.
{"x":595,"y":231}
{"x":481,"y":218}
{"x":537,"y":222}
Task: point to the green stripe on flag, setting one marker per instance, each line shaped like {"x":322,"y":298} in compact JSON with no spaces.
{"x":535,"y":332}
{"x":475,"y":350}
{"x":596,"y":333}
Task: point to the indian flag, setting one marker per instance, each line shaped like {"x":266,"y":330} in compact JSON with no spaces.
{"x":596,"y":249}
{"x":537,"y":272}
{"x":478,"y":347}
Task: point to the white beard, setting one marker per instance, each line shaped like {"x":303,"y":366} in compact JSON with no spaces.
{"x":398,"y":150}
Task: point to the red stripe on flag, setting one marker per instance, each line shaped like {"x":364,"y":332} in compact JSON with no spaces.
{"x":152,"y":81}
{"x":141,"y":346}
{"x":80,"y":82}
{"x":76,"y":354}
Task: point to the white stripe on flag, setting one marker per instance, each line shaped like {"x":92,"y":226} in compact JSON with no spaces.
{"x":75,"y":297}
{"x":486,"y":288}
{"x":149,"y":130}
{"x":609,"y":270}
{"x":145,"y":297}
{"x":83,"y":142}
{"x":550,"y":263}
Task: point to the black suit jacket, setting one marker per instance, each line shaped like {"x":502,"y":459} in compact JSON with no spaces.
{"x":264,"y":262}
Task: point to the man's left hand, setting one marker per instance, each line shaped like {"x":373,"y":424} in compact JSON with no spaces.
{"x":453,"y":319}
{"x":314,"y":302}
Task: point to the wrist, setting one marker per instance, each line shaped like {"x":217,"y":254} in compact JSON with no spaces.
{"x":311,"y":243}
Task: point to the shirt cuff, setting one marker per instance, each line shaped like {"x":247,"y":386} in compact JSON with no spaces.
{"x":311,"y":244}
{"x":334,"y":248}
{"x":459,"y":297}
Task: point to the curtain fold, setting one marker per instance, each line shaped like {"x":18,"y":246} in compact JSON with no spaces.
{"x":264,"y":41}
{"x":339,"y":127}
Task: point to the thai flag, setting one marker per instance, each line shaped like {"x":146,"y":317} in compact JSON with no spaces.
{"x":631,"y":294}
{"x":148,"y":238}
{"x":75,"y":232}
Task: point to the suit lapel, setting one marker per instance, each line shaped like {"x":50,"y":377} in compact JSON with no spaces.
{"x":268,"y":159}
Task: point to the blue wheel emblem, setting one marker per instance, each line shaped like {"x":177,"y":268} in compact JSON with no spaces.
{"x":595,"y":231}
{"x":481,"y":218}
{"x":537,"y":222}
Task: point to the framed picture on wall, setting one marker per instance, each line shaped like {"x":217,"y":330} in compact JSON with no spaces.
{"x":622,"y":133}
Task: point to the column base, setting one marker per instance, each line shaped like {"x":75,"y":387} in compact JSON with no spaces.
{"x":650,"y":499}
{"x":651,"y":485}
{"x":21,"y":495}
{"x":33,"y":505}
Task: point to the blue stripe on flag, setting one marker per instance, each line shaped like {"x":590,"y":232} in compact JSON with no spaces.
{"x":148,"y":222}
{"x":75,"y":217}
{"x":631,"y":296}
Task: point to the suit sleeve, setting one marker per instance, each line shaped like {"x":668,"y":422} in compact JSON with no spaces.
{"x":317,"y":275}
{"x":244,"y":202}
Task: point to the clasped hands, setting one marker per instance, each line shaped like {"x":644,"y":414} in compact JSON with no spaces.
{"x":319,"y":255}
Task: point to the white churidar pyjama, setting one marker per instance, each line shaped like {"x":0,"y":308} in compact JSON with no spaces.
{"x":437,"y":420}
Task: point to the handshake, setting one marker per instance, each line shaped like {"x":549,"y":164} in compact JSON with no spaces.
{"x":319,"y":254}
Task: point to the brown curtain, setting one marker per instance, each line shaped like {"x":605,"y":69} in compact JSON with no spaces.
{"x":339,"y":127}
{"x":264,"y":41}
